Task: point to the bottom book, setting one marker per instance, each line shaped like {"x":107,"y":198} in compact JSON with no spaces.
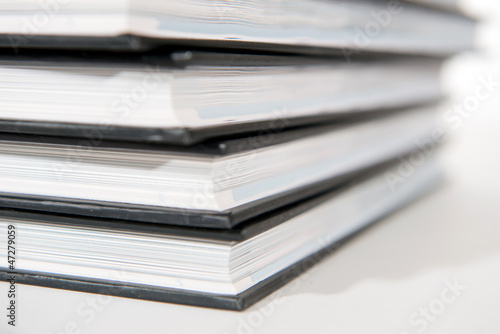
{"x":227,"y":269}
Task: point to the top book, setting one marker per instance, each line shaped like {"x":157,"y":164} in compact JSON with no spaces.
{"x":307,"y":26}
{"x":450,"y":5}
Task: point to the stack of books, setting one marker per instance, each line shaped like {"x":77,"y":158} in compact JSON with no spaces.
{"x":208,"y":152}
